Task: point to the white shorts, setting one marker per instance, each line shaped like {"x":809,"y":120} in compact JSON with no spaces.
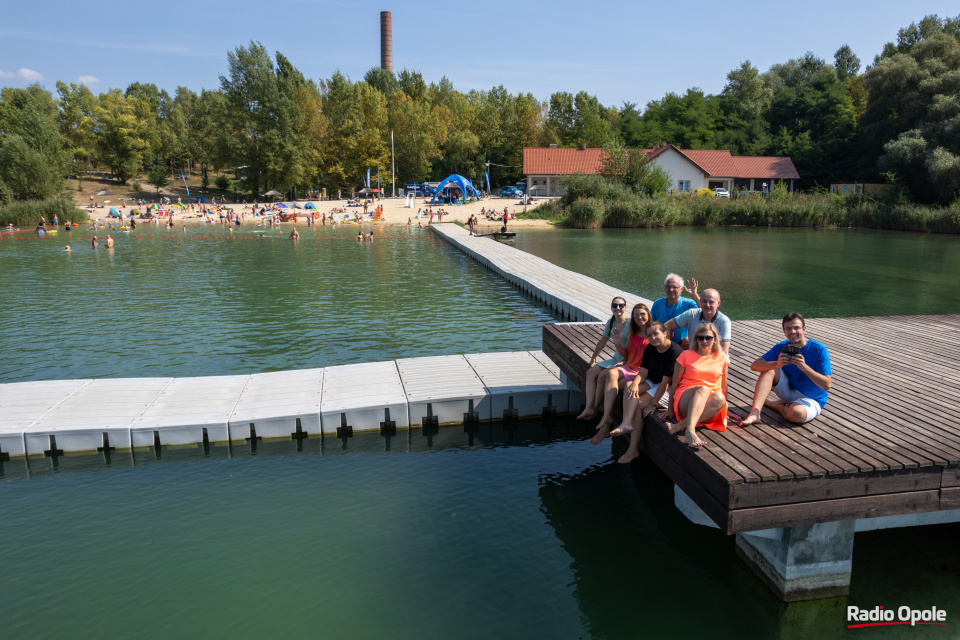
{"x":788,"y":394}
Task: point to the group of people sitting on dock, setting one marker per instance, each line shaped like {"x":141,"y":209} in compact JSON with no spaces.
{"x":678,"y":348}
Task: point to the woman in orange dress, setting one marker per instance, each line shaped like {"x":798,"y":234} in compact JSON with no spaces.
{"x":699,"y":389}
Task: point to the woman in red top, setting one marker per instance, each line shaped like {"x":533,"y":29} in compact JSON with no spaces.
{"x":698,"y":392}
{"x":620,"y":375}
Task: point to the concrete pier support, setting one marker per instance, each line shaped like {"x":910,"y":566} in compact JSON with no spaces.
{"x":803,"y":562}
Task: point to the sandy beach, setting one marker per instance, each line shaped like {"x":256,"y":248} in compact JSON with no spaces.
{"x":394,"y":211}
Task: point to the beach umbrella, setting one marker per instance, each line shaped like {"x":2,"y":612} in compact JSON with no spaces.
{"x":309,"y":205}
{"x":114,"y":212}
{"x":134,"y":212}
{"x":273,"y":193}
{"x":296,"y":205}
{"x":366,"y":190}
{"x":105,"y":192}
{"x":281,"y":206}
{"x":153,"y":206}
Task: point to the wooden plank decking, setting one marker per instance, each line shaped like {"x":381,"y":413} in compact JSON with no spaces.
{"x":888,"y":442}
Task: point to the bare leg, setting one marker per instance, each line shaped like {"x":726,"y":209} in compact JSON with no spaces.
{"x":630,"y":406}
{"x":588,"y":410}
{"x":792,"y":411}
{"x":610,"y":389}
{"x":633,"y":451}
{"x":697,"y":404}
{"x":765,"y":384}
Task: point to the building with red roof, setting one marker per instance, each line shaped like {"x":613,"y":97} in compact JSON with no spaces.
{"x":689,"y":169}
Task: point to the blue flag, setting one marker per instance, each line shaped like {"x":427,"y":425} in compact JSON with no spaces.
{"x":185,"y":183}
{"x":368,"y":178}
{"x":487,"y":174}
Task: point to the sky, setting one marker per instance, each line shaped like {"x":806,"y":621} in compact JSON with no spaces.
{"x":618,"y":51}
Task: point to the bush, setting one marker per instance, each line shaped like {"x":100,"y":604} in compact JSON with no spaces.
{"x":27,"y":213}
{"x":586,"y":213}
{"x":223,"y":183}
{"x":581,"y":186}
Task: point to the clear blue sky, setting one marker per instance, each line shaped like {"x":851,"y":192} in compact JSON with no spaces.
{"x":619,"y":51}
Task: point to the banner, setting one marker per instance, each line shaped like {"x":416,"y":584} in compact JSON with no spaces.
{"x":368,"y":178}
{"x":185,"y":183}
{"x":487,"y":174}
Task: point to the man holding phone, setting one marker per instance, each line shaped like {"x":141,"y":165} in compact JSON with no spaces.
{"x":806,"y":375}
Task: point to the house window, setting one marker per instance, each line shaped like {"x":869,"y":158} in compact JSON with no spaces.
{"x":857,"y":189}
{"x":683,"y":185}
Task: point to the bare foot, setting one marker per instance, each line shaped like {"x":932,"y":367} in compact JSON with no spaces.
{"x":622,"y":429}
{"x":676,"y":427}
{"x":602,"y":435}
{"x":586,"y":414}
{"x":752,"y":418}
{"x":629,"y":456}
{"x":604,"y":423}
{"x":692,"y":439}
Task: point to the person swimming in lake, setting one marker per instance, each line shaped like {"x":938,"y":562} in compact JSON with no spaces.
{"x":109,"y":242}
{"x":294,"y":235}
{"x":94,"y":243}
{"x":360,"y":236}
{"x":68,"y":249}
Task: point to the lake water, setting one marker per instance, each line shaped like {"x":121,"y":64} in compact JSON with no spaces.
{"x":506,"y":534}
{"x":765,"y":273}
{"x":162,"y":306}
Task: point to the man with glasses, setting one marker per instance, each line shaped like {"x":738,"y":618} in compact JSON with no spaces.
{"x":709,"y":311}
{"x":797,"y":370}
{"x":672,"y":305}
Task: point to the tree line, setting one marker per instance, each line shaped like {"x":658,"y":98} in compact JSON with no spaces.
{"x":895,"y":121}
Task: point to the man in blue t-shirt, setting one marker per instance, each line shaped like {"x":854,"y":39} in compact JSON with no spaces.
{"x":807,"y":376}
{"x":666,"y":309}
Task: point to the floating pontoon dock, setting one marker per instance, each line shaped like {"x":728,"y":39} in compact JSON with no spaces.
{"x":60,"y":416}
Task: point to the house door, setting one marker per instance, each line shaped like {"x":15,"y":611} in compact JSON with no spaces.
{"x":713,"y":184}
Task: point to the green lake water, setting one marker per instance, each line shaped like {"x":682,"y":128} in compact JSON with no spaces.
{"x":157,"y":306}
{"x":499,"y":534}
{"x":766,"y":273}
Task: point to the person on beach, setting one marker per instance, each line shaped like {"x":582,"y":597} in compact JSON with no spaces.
{"x":613,"y":330}
{"x":709,"y":311}
{"x":698,"y":392}
{"x":617,"y":377}
{"x":797,"y":370}
{"x":669,"y":307}
{"x":648,"y":387}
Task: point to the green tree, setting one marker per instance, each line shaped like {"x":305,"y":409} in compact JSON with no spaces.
{"x":909,"y":126}
{"x":126,"y":132}
{"x":846,"y":62}
{"x":33,"y":161}
{"x":382,"y":80}
{"x":158,"y":176}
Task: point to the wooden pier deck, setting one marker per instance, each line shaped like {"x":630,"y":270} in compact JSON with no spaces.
{"x":887,"y":443}
{"x":572,"y":295}
{"x":62,"y":416}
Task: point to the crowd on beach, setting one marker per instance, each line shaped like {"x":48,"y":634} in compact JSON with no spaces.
{"x":678,"y":349}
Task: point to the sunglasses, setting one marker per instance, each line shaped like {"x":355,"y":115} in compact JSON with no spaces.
{"x":617,"y":305}
{"x":704,"y":338}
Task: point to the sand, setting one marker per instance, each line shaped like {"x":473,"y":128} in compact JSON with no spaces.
{"x":394,"y":211}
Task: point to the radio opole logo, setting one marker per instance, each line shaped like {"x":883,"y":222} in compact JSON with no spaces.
{"x":879,"y":616}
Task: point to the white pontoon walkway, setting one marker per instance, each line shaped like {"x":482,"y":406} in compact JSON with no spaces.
{"x":573,"y":295}
{"x":59,"y":416}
